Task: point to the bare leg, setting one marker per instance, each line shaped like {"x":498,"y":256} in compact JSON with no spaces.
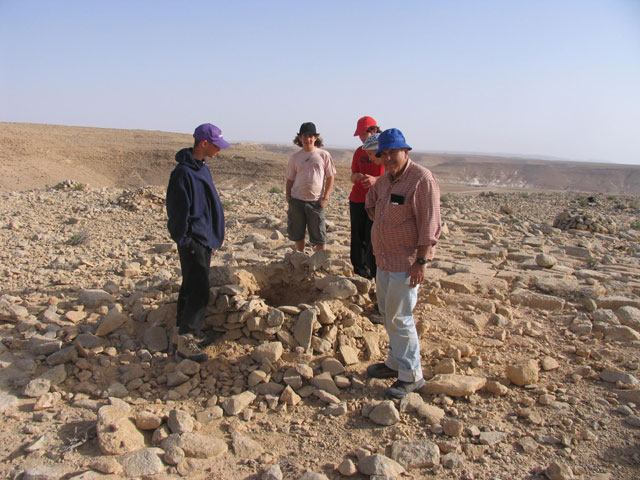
{"x":320,"y":247}
{"x":300,"y":245}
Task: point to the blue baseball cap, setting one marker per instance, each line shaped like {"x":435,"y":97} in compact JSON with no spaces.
{"x":211,"y":134}
{"x":391,"y":138}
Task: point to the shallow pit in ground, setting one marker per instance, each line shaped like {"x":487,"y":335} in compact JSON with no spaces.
{"x":280,"y":285}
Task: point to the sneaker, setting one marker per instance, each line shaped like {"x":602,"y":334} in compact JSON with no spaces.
{"x":188,"y":348}
{"x":376,"y":318}
{"x":380,"y":370}
{"x":400,"y":389}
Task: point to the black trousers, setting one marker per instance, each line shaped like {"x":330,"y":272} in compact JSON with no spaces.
{"x":362,"y":258}
{"x":195,"y":261}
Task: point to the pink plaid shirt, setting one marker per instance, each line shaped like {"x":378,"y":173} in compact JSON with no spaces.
{"x":412,"y":220}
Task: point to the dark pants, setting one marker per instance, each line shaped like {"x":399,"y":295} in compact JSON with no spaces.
{"x":362,"y":258}
{"x":195,"y":261}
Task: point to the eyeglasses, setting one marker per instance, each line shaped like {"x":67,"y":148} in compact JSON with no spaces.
{"x":391,"y":152}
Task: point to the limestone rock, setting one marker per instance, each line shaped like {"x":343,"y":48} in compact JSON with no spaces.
{"x":116,"y":433}
{"x":380,"y":465}
{"x":525,"y":373}
{"x":179,"y":421}
{"x":415,"y":454}
{"x":113,"y":320}
{"x":202,"y":446}
{"x":614,"y":376}
{"x":324,"y":382}
{"x":155,"y":338}
{"x":558,"y":471}
{"x":245,"y":447}
{"x":274,"y":472}
{"x":454,"y":385}
{"x":271,"y":351}
{"x":303,"y":329}
{"x":289,"y":397}
{"x":347,"y":468}
{"x":621,"y":333}
{"x":385,"y":413}
{"x":341,"y":289}
{"x":431,"y":414}
{"x":45,"y":472}
{"x":95,"y":297}
{"x":237,"y":403}
{"x":37,"y":387}
{"x":349,"y":354}
{"x":545,"y":260}
{"x":629,"y":316}
{"x":142,"y":462}
{"x":148,"y":421}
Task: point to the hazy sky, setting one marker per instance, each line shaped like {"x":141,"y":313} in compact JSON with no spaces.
{"x":554,"y":78}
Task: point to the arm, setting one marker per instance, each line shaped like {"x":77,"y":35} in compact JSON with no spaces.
{"x":371,"y":211}
{"x":289,"y":185}
{"x":356,"y":176}
{"x":427,"y":214}
{"x":370,"y":203}
{"x":417,"y":272}
{"x":328,"y":188}
{"x":178,"y":207}
{"x":426,"y":209}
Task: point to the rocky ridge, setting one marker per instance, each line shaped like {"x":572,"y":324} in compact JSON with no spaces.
{"x":529,"y":337}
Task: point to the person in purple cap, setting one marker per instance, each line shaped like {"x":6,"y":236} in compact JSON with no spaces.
{"x":196,"y":224}
{"x":404,"y":205}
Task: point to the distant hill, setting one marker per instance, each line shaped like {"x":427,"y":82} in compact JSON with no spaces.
{"x":35,"y":155}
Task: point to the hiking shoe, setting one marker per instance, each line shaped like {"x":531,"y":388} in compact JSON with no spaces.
{"x":202,"y":340}
{"x":380,"y":370}
{"x":188,"y":348}
{"x":400,"y":389}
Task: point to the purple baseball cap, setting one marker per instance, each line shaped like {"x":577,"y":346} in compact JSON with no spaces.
{"x":211,"y":134}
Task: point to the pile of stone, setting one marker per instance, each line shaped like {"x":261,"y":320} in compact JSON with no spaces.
{"x":68,"y":184}
{"x":583,"y":220}
{"x":330,"y":317}
{"x":140,"y":199}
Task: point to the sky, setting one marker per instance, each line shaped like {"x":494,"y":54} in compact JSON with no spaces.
{"x":541,"y":78}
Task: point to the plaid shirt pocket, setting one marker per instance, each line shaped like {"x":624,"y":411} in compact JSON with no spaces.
{"x":398,"y":214}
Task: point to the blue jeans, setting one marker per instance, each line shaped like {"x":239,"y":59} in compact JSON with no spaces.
{"x":396,"y":301}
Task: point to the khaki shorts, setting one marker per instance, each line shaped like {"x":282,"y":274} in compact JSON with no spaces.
{"x":306,"y":215}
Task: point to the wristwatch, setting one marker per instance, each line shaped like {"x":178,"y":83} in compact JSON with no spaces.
{"x":421,"y":261}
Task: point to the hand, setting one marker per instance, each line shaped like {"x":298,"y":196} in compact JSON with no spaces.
{"x":357,"y":177}
{"x":368,"y":181}
{"x":416,"y":273}
{"x":323,"y":202}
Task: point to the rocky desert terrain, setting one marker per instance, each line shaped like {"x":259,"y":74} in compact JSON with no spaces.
{"x":529,"y":326}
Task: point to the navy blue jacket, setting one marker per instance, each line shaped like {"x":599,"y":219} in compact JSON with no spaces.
{"x":193,"y":205}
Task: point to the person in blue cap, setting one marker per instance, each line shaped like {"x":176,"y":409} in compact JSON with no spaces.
{"x":196,"y":224}
{"x":404,"y":205}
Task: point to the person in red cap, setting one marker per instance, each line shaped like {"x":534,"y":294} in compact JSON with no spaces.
{"x":364,"y":174}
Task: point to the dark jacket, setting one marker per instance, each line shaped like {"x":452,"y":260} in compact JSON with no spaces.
{"x":193,"y":204}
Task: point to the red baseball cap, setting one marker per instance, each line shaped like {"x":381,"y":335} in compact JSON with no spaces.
{"x":363,"y":124}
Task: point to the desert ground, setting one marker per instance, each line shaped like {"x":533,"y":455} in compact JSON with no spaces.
{"x":529,"y":324}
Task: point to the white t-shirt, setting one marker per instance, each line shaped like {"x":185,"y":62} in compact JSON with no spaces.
{"x":309,"y":171}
